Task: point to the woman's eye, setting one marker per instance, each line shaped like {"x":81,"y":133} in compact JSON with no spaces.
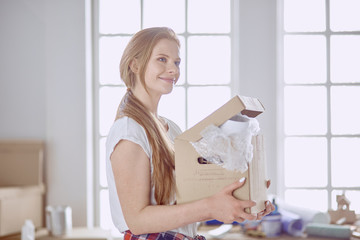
{"x":177,"y":63}
{"x":162,"y":59}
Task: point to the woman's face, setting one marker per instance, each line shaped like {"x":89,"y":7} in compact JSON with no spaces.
{"x":162,"y":70}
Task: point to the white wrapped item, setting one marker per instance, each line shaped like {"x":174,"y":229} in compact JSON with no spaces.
{"x":230,"y":144}
{"x":28,"y":230}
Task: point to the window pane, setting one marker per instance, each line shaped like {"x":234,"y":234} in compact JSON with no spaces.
{"x":312,"y":199}
{"x":102,"y":163}
{"x":209,"y":60}
{"x":167,"y":13}
{"x":305,"y":155}
{"x":209,"y":16}
{"x":304,"y":15}
{"x":109,"y":99}
{"x":345,"y":110}
{"x":353,"y":196}
{"x":304,"y":59}
{"x":110,"y":52}
{"x":345,"y":59}
{"x":344,"y":15}
{"x":345,"y":165}
{"x":172,"y":106}
{"x":202,"y":101}
{"x":119,"y":16}
{"x":305,"y":110}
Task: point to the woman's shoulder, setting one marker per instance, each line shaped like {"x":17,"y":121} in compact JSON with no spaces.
{"x":127,"y":128}
{"x":126,"y":123}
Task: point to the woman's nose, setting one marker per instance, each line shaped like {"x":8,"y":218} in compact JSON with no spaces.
{"x":173,"y":68}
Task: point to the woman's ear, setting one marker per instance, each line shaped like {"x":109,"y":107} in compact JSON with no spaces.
{"x":134,"y":66}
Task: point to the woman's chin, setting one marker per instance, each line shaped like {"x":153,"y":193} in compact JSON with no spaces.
{"x":167,"y":91}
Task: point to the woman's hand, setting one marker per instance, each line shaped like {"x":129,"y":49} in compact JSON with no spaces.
{"x":269,"y":207}
{"x":226,"y":208}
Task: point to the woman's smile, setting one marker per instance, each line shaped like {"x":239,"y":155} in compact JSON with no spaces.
{"x":168,"y":79}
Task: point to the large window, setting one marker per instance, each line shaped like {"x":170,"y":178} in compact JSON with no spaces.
{"x":320,"y":85}
{"x":206,"y":73}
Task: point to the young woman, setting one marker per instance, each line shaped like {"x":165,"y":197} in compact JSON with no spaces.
{"x":140,"y":151}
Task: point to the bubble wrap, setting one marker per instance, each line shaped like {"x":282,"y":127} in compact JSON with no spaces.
{"x":230,"y":144}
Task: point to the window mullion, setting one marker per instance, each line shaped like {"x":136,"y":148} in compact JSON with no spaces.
{"x":235,"y":49}
{"x":328,"y":89}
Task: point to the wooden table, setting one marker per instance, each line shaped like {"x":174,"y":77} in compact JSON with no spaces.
{"x":76,"y":234}
{"x":236,"y":233}
{"x":99,"y":234}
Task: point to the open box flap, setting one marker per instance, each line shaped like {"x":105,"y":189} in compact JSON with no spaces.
{"x":248,"y":106}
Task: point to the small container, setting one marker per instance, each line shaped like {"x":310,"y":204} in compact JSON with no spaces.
{"x":28,"y":230}
{"x":59,"y":220}
{"x":271,"y":224}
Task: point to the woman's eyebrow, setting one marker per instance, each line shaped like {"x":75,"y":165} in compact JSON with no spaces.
{"x":165,"y":55}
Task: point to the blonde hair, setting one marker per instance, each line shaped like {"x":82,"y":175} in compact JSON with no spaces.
{"x":140,"y":48}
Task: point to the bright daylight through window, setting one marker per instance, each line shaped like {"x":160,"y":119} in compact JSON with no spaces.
{"x":321,"y":86}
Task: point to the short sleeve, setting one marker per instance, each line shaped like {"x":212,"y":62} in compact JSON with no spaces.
{"x":174,"y":129}
{"x":126,"y":128}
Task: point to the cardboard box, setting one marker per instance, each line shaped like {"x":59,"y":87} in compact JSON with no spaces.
{"x":196,"y":181}
{"x":18,"y":204}
{"x":21,"y":163}
{"x":21,"y":185}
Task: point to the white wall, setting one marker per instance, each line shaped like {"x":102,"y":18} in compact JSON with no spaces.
{"x":42,"y":90}
{"x":43,"y":87}
{"x":257,"y":69}
{"x":22,"y":70}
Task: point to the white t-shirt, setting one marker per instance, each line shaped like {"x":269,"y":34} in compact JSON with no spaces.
{"x":128,"y":129}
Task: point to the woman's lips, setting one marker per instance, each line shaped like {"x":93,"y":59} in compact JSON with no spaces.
{"x":170,"y":80}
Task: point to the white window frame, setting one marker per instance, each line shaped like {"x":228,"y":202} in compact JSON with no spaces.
{"x":280,"y":104}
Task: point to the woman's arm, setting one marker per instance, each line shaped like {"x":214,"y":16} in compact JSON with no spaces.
{"x":131,"y":169}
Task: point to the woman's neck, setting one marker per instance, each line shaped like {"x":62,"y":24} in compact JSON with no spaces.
{"x":149,"y":101}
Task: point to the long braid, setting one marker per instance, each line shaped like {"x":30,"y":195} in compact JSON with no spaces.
{"x":162,"y":149}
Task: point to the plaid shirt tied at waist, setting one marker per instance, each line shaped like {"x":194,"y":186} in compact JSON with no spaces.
{"x":169,"y":235}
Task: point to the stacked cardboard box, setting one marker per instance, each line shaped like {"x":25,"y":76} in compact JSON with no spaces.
{"x":21,"y":185}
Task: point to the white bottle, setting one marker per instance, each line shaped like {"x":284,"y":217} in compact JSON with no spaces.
{"x":28,"y":231}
